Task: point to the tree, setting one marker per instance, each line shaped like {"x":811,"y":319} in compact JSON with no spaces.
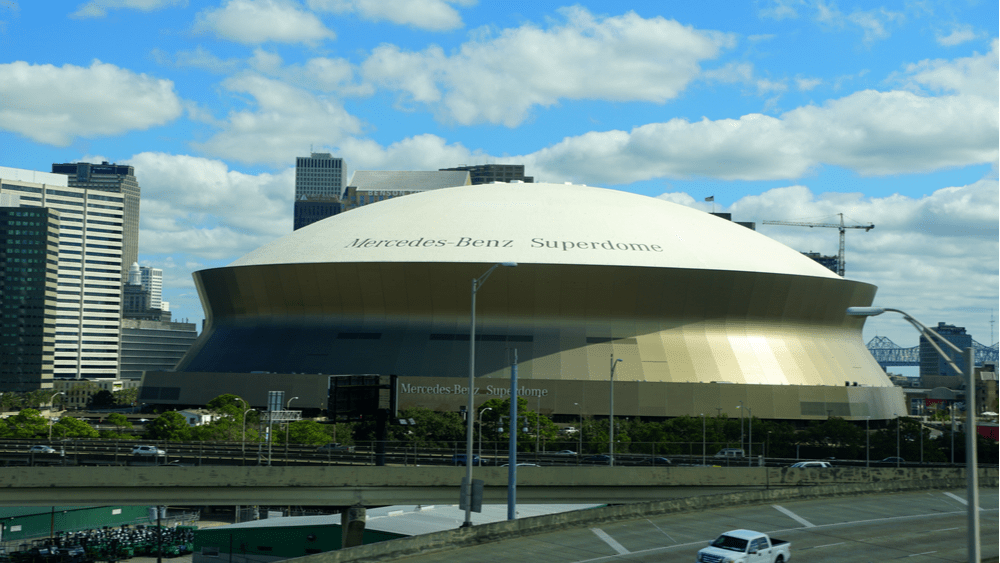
{"x":169,"y":426}
{"x":29,"y":423}
{"x":307,"y":432}
{"x":69,"y":427}
{"x":103,"y":399}
{"x":126,"y":397}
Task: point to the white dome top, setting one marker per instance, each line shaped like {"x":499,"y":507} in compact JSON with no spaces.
{"x":535,"y":224}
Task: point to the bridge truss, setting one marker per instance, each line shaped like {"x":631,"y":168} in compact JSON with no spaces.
{"x":888,"y":353}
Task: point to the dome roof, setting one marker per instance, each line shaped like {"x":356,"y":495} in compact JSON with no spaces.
{"x":535,"y":224}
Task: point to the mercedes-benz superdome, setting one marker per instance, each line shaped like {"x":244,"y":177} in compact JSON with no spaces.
{"x":706,"y":314}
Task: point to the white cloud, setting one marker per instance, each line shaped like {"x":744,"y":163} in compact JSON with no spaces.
{"x":54,"y":105}
{"x":319,"y":73}
{"x":780,"y":9}
{"x":935,"y":257}
{"x":99,"y":8}
{"x":432,"y":15}
{"x":870,"y":132}
{"x":284,"y":122}
{"x":959,"y":34}
{"x":806,"y":84}
{"x":421,"y":152}
{"x":498,"y":79}
{"x":199,"y":207}
{"x":258,"y":21}
{"x":199,"y":57}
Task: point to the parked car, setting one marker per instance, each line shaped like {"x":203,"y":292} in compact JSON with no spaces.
{"x":40,"y":449}
{"x":654,"y":461}
{"x":812,"y":464}
{"x":335,"y":447}
{"x":745,"y":546}
{"x":148,"y":451}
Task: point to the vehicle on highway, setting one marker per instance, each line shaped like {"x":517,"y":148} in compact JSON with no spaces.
{"x":40,"y":449}
{"x":731,"y":452}
{"x":148,"y":451}
{"x":335,"y":447}
{"x":654,"y":461}
{"x":522,"y":465}
{"x":565,"y":452}
{"x":599,"y":458}
{"x":745,"y":546}
{"x":801,"y":464}
{"x":459,"y":459}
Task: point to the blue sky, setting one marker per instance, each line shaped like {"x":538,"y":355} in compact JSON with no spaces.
{"x":790,"y":110}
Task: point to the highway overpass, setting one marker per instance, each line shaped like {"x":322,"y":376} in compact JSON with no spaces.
{"x":379,"y":486}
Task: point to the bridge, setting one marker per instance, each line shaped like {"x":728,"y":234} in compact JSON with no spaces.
{"x":380,"y":486}
{"x":888,"y":353}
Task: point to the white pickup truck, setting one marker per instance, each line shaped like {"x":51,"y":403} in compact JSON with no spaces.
{"x":745,"y":546}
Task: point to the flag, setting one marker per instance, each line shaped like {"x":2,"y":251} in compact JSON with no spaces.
{"x":710,"y":198}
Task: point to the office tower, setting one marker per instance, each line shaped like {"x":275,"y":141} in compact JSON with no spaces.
{"x":116,"y":179}
{"x":371,"y":186}
{"x":29,"y":252}
{"x":149,"y":345}
{"x":319,"y":184}
{"x":932,"y":363}
{"x":152,"y":281}
{"x":487,"y":173}
{"x":89,"y":275}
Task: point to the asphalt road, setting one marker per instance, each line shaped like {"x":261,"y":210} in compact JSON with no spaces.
{"x":913,"y":527}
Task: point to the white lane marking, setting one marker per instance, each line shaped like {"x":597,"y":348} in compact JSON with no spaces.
{"x":610,"y":541}
{"x":956,"y":497}
{"x":828,"y":545}
{"x":794,"y":516}
{"x":661,"y":530}
{"x":919,"y":554}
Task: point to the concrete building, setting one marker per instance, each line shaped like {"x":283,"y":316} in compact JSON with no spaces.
{"x":29,"y":254}
{"x":116,"y":179}
{"x":319,"y":185}
{"x":152,"y":281}
{"x":489,"y":173}
{"x":78,"y":392}
{"x":371,"y":186}
{"x":89,"y":279}
{"x":830,"y":262}
{"x":151,"y":345}
{"x":932,"y":363}
{"x":706,"y":315}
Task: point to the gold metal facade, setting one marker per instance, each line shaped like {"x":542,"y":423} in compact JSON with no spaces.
{"x":691,"y":340}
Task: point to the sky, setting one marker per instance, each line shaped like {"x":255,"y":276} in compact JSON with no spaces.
{"x":781,"y":110}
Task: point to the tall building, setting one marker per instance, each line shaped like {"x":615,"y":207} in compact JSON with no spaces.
{"x":488,"y":173}
{"x":29,"y":253}
{"x":932,"y":363}
{"x":371,"y":186}
{"x":152,"y":281}
{"x":114,"y":178}
{"x":319,"y":185}
{"x":831,"y":263}
{"x":89,"y":275}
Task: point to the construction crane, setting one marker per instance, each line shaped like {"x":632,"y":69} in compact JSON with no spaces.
{"x":841,"y":226}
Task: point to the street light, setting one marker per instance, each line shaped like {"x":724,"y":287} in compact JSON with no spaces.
{"x":53,"y":398}
{"x":971,"y":461}
{"x":897,"y":440}
{"x":470,"y":422}
{"x":703,"y":438}
{"x":243,"y":446}
{"x":579,"y":433}
{"x":287,"y":424}
{"x":611,"y":415}
{"x":741,"y":424}
{"x":750,"y":445}
{"x":481,"y":433}
{"x":868,"y":447}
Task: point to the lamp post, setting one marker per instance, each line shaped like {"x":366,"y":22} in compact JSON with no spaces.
{"x":470,"y":407}
{"x":741,"y":424}
{"x":481,"y":433}
{"x":611,"y":413}
{"x":703,"y":438}
{"x":579,"y":433}
{"x":287,"y":424}
{"x":971,"y":461}
{"x":243,"y":444}
{"x":868,"y":447}
{"x":896,"y":416}
{"x":750,"y":444}
{"x":51,"y":399}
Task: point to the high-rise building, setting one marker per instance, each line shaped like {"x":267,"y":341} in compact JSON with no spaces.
{"x":152,"y":281}
{"x":932,"y":363}
{"x":153,"y":345}
{"x":89,"y":275}
{"x":488,"y":173}
{"x":29,"y":253}
{"x":114,"y":178}
{"x":371,"y":186}
{"x":319,"y":185}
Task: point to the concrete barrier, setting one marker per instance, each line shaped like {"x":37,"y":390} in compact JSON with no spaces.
{"x":465,"y":537}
